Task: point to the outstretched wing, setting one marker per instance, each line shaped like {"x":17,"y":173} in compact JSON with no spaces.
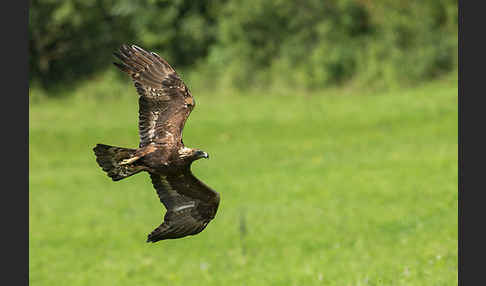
{"x":190,"y":205}
{"x":164,"y":103}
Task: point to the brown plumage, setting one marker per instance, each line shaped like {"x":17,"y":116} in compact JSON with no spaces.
{"x":164,"y":105}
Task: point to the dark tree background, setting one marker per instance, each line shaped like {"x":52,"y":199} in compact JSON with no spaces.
{"x":311,"y":44}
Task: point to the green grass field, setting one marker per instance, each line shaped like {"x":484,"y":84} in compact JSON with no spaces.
{"x":332,"y":188}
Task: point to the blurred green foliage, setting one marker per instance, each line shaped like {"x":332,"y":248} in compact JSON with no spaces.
{"x":244,"y":44}
{"x":75,"y":38}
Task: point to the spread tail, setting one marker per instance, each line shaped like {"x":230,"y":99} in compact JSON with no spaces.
{"x":110,"y":157}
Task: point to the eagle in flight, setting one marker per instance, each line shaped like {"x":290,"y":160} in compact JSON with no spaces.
{"x":165,"y":102}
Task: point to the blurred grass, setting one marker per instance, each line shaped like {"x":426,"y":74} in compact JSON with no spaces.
{"x":347,"y":188}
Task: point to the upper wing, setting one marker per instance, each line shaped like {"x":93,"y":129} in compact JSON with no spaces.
{"x":164,"y":103}
{"x":190,"y":205}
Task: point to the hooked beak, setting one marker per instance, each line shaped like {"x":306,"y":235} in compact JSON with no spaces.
{"x":202,"y":154}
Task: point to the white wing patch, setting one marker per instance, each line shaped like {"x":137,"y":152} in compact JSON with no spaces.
{"x":190,"y":205}
{"x":151,"y":129}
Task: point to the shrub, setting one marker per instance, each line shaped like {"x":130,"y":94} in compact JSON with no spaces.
{"x":251,"y":43}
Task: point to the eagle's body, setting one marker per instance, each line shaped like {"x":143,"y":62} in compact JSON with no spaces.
{"x":164,"y":105}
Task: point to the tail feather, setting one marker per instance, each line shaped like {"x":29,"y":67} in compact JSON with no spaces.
{"x":109,"y":159}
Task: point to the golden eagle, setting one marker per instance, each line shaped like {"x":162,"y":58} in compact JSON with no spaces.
{"x":164,"y":105}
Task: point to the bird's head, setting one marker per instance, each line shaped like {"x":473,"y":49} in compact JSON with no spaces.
{"x":193,"y":154}
{"x":199,"y":154}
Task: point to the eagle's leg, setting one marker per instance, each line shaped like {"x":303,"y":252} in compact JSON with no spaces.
{"x":139,"y":154}
{"x":129,"y":161}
